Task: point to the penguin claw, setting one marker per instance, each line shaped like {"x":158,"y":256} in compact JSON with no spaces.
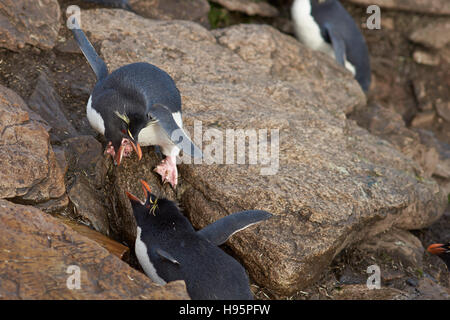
{"x":168,"y":171}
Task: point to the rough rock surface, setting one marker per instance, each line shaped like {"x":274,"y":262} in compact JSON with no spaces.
{"x":29,"y":22}
{"x":249,"y":7}
{"x":29,"y":171}
{"x":360,"y":292}
{"x":193,"y":10}
{"x":45,"y":102}
{"x":400,"y":244}
{"x":37,"y":250}
{"x":438,"y":7}
{"x":435,"y":35}
{"x":335,"y":184}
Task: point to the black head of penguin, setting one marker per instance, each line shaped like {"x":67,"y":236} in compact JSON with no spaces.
{"x":168,"y":249}
{"x":120,"y":129}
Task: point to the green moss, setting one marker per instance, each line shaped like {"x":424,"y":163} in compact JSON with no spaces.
{"x":218,"y":16}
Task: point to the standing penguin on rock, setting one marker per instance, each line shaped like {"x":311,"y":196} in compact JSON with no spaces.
{"x":168,"y":248}
{"x":326,"y":26}
{"x":137,"y":104}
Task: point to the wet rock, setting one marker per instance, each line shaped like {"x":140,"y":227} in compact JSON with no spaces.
{"x":88,"y":204}
{"x":29,"y":170}
{"x":361,"y":292}
{"x":438,"y":7}
{"x":29,"y":22}
{"x":334,"y":182}
{"x":399,"y":244}
{"x":47,"y":104}
{"x":435,"y":35}
{"x":249,"y":7}
{"x":37,"y":251}
{"x":193,"y":10}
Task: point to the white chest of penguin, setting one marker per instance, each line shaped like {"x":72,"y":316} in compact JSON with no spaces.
{"x":308,"y":31}
{"x":155,"y":135}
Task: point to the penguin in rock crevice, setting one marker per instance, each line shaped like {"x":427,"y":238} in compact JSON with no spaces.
{"x":168,"y":249}
{"x":136,"y":105}
{"x":326,"y":26}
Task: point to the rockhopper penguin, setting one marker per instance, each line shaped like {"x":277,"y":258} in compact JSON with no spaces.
{"x":326,"y":26}
{"x":137,"y":104}
{"x":442,"y":251}
{"x":168,"y":248}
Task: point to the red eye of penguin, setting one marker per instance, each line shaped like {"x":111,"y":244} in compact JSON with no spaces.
{"x":124,"y":131}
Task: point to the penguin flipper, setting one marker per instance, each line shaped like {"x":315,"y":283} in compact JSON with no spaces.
{"x":218,"y":232}
{"x":166,"y":120}
{"x":96,"y":63}
{"x":338,"y":44}
{"x":166,"y":255}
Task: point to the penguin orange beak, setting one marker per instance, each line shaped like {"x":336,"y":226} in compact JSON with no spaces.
{"x":123,"y":149}
{"x":132,"y":197}
{"x":436,"y":248}
{"x":137,"y":149}
{"x":146,"y":188}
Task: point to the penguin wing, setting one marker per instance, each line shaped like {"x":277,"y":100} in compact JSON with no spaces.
{"x":219,"y":231}
{"x":166,"y":255}
{"x":176,"y":134}
{"x":338,"y":44}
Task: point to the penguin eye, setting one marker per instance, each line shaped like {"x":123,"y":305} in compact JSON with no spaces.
{"x":124,"y":131}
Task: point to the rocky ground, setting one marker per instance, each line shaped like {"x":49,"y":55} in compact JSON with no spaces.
{"x":360,"y":181}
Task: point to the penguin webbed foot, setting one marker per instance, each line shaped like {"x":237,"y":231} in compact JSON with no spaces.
{"x":167,"y":169}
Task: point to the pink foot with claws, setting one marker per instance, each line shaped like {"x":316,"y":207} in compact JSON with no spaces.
{"x":168,"y":171}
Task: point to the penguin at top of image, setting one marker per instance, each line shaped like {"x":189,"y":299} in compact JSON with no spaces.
{"x":326,"y":26}
{"x":136,"y":105}
{"x":168,"y":248}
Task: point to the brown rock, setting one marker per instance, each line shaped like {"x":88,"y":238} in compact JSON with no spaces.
{"x":361,"y":292}
{"x":37,"y":251}
{"x":423,"y":119}
{"x":46,"y":102}
{"x":114,"y":247}
{"x":443,"y":110}
{"x":29,"y":170}
{"x":426,"y":58}
{"x":439,"y":7}
{"x":399,"y":244}
{"x":435,"y":35}
{"x":193,"y":10}
{"x":249,"y":7}
{"x":85,"y":155}
{"x":335,"y":183}
{"x":389,"y":125}
{"x":89,"y":205}
{"x":29,"y":22}
{"x":430,"y":290}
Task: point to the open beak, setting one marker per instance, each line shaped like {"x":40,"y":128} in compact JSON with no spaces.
{"x":120,"y":152}
{"x":132,"y":197}
{"x":436,"y":248}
